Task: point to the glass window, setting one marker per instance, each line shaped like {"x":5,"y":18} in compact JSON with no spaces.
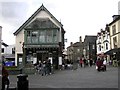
{"x":55,"y":39}
{"x":34,"y":36}
{"x":115,"y":42}
{"x":42,"y":36}
{"x":93,"y":46}
{"x":99,"y":47}
{"x":114,"y":29}
{"x":28,"y":37}
{"x":13,"y":50}
{"x":106,"y":46}
{"x":49,"y":36}
{"x":2,"y":50}
{"x":88,"y":47}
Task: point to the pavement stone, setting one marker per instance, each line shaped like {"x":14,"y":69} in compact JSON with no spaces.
{"x":87,"y":77}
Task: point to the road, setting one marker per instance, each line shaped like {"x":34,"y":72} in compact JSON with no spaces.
{"x":81,"y":78}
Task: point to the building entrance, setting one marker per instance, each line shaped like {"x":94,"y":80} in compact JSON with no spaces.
{"x":42,"y":56}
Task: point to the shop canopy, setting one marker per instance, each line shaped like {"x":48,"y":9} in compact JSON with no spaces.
{"x":112,"y":51}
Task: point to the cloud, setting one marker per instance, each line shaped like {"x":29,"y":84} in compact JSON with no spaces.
{"x":13,"y":12}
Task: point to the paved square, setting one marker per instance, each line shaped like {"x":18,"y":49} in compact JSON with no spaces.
{"x":81,"y":78}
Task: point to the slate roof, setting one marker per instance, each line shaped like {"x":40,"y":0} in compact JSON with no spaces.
{"x":115,"y":20}
{"x":4,"y":44}
{"x":89,"y":39}
{"x":42,"y":8}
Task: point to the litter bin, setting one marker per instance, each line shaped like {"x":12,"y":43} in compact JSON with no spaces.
{"x":22,"y":83}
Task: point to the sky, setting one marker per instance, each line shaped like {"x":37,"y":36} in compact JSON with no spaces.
{"x":79,"y":17}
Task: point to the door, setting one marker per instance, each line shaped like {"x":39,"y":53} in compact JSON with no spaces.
{"x":42,"y":56}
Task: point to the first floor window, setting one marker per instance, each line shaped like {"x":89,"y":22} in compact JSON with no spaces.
{"x":28,"y":37}
{"x":55,"y":36}
{"x":106,"y":46}
{"x":115,"y":42}
{"x":42,"y":36}
{"x":35,"y":37}
{"x":49,"y":36}
{"x":99,"y":47}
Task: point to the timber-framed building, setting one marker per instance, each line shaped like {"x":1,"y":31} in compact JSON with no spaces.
{"x":39,"y":38}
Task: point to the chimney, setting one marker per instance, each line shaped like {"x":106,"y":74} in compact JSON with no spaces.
{"x":115,"y":17}
{"x":80,"y":39}
{"x":71,"y":43}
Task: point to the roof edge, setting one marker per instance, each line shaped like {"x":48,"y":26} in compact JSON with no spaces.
{"x":32,"y":16}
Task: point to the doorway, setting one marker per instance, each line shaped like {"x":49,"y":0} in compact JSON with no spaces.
{"x":42,"y":56}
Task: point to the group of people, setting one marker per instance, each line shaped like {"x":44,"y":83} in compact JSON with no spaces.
{"x":44,"y":68}
{"x":84,"y":62}
{"x":101,"y":64}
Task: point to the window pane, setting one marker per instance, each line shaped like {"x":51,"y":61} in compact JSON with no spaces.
{"x":28,"y":37}
{"x":106,"y":46}
{"x":49,"y":36}
{"x":42,"y":36}
{"x":34,"y":36}
{"x":55,"y":39}
{"x":114,"y":29}
{"x":115,"y":42}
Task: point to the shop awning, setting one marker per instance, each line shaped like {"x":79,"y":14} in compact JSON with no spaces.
{"x":110,"y":52}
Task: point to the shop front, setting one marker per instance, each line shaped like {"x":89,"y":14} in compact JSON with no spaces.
{"x":34,"y":55}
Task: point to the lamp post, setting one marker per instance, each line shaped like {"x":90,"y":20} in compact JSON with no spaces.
{"x":24,"y":56}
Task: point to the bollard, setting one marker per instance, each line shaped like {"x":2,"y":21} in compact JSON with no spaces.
{"x":22,"y":83}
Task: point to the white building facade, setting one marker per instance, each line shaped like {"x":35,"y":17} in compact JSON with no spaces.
{"x":0,"y":42}
{"x":103,"y":43}
{"x":115,"y":38}
{"x":10,"y":49}
{"x":115,"y":32}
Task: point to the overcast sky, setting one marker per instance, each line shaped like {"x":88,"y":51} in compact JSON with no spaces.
{"x":79,"y":17}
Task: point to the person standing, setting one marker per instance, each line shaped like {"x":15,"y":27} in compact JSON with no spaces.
{"x":105,"y":63}
{"x":84,"y":61}
{"x":43,"y":68}
{"x":5,"y":79}
{"x":40,"y":67}
{"x":91,"y":62}
{"x":99,"y":64}
{"x":49,"y":66}
{"x":81,"y":62}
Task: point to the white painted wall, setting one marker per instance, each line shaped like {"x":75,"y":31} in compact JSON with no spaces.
{"x":8,"y":50}
{"x":117,"y":23}
{"x":19,"y":44}
{"x":0,"y":41}
{"x":103,"y":44}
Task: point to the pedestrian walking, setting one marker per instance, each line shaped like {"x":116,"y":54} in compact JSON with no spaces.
{"x":39,"y":66}
{"x":43,"y":68}
{"x":84,"y":61}
{"x":91,"y":62}
{"x":104,"y":64}
{"x":48,"y":67}
{"x":99,"y":64}
{"x":5,"y":79}
{"x":81,"y":62}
